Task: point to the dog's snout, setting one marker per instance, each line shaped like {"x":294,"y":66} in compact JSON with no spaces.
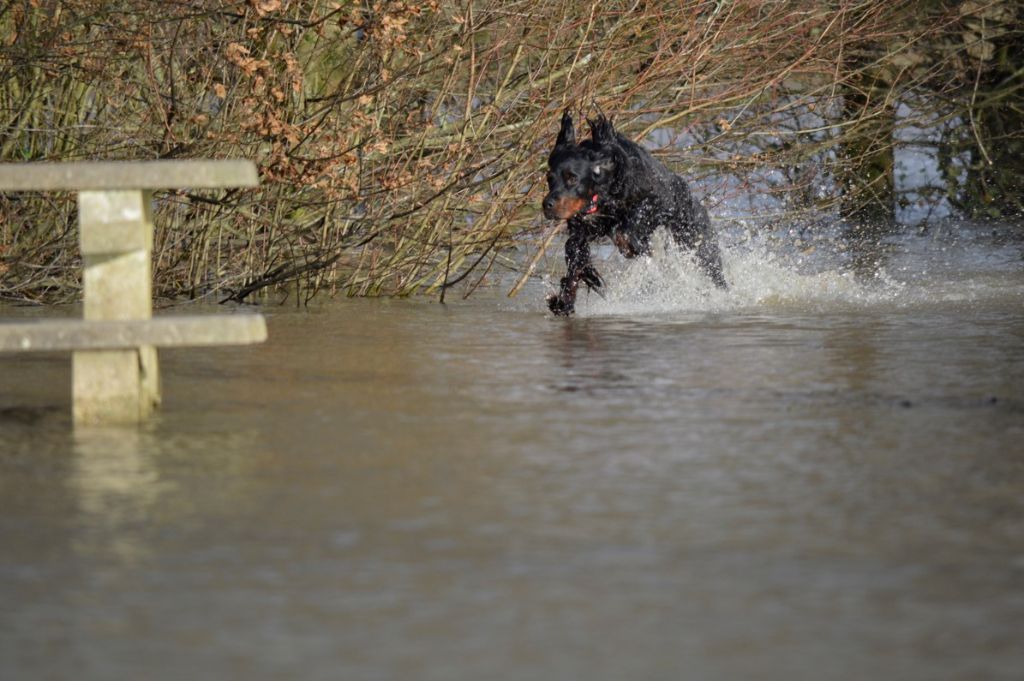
{"x":562,"y":207}
{"x":548,"y":204}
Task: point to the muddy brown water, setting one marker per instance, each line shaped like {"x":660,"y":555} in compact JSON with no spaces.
{"x":812,"y":480}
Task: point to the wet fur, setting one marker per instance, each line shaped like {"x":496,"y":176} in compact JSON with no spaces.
{"x":635,"y":194}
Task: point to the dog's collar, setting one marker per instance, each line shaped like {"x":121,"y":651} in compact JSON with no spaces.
{"x":592,"y":208}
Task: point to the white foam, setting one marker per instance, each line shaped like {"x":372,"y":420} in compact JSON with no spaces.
{"x":671,"y":282}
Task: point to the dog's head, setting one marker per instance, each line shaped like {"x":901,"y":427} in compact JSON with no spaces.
{"x":578,"y":174}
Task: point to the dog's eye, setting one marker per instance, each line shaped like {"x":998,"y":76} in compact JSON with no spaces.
{"x":569,"y":179}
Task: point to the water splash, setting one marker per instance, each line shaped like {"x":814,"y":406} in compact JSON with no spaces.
{"x":918,"y":271}
{"x":672,"y":282}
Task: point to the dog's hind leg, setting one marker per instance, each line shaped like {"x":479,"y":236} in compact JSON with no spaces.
{"x":709,"y":257}
{"x":694,"y":232}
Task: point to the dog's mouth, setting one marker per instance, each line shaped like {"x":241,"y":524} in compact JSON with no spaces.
{"x":570,"y":206}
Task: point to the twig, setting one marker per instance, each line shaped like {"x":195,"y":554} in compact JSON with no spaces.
{"x":536,"y":258}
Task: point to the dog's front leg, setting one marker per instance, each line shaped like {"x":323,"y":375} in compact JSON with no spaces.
{"x":628,"y":244}
{"x":577,"y":261}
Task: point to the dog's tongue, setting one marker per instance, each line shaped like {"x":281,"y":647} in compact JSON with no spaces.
{"x":592,"y":208}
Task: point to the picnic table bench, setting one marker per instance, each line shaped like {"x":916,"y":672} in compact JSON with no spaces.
{"x":115,"y":373}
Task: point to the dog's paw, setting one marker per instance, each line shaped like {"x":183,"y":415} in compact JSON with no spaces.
{"x":592,"y":278}
{"x":560,"y":306}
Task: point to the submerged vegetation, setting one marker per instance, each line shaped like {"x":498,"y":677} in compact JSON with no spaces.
{"x":401,"y":144}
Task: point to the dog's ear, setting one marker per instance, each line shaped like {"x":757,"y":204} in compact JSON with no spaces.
{"x":601,"y":129}
{"x":567,"y":135}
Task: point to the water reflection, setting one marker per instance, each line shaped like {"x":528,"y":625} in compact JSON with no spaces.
{"x":117,"y":486}
{"x":579,"y":343}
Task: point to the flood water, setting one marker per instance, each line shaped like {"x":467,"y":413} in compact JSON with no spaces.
{"x":807,"y":477}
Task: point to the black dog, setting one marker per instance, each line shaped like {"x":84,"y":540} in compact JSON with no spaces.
{"x":609,"y":186}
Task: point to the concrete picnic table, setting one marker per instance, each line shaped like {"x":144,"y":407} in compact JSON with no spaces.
{"x":115,"y":373}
